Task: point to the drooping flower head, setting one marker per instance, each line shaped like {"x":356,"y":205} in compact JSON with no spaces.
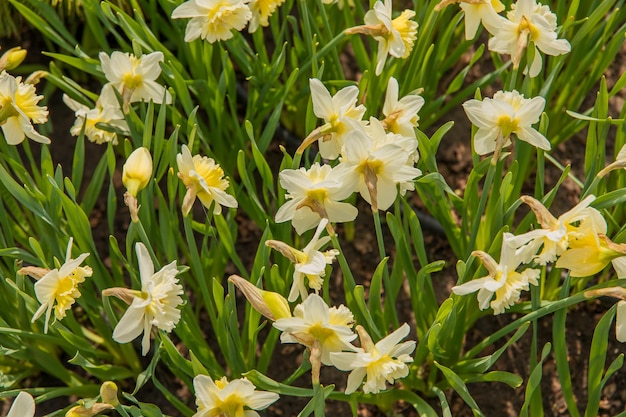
{"x":401,"y":115}
{"x":18,"y":106}
{"x":502,"y":280}
{"x":237,"y":398}
{"x":106,"y":111}
{"x":135,"y":78}
{"x":591,"y":252}
{"x":508,"y":112}
{"x":312,"y":195}
{"x":58,"y":289}
{"x":341,"y":116}
{"x":382,"y":362}
{"x":156,"y":304}
{"x":310,"y":262}
{"x":395,"y":36}
{"x":528,"y":21}
{"x":213,"y":20}
{"x":261,"y":11}
{"x":204,"y":179}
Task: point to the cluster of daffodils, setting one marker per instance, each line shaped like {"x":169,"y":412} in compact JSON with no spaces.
{"x":19,"y":103}
{"x":575,"y":241}
{"x":215,"y":20}
{"x":375,"y":158}
{"x":527,"y":23}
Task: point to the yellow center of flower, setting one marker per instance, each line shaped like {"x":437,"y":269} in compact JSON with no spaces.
{"x":317,"y":194}
{"x":66,"y":292}
{"x":232,"y":406}
{"x":210,"y":172}
{"x":369,"y":167}
{"x":6,"y":109}
{"x":407,"y":29}
{"x":507,"y":125}
{"x":320,"y":332}
{"x":526,"y":26}
{"x":132,"y":81}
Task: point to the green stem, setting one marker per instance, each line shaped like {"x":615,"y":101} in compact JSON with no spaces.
{"x":328,"y":47}
{"x":481,"y":208}
{"x":389,"y":292}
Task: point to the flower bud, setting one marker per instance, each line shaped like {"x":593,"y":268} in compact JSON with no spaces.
{"x":12,"y":58}
{"x":270,"y":304}
{"x":137,"y":170}
{"x":108,"y":392}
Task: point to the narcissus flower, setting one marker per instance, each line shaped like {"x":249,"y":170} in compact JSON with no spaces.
{"x":106,"y":111}
{"x":213,"y":20}
{"x":591,"y":252}
{"x":556,"y":234}
{"x":18,"y":106}
{"x":23,"y":406}
{"x":58,"y":289}
{"x":222,"y":398}
{"x":401,"y":115}
{"x":313,"y":322}
{"x":314,"y":194}
{"x":502,"y":280}
{"x":156,"y":304}
{"x":340,"y":113}
{"x":271,"y":304}
{"x":476,"y":11}
{"x":395,"y":36}
{"x":135,"y":78}
{"x":508,"y":112}
{"x":375,"y":168}
{"x":261,"y":11}
{"x":528,"y":21}
{"x":382,"y":362}
{"x":310,"y":262}
{"x":204,"y":179}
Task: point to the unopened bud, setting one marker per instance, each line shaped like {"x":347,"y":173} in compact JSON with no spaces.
{"x":108,"y":392}
{"x":270,"y":304}
{"x":137,"y":171}
{"x":12,"y":58}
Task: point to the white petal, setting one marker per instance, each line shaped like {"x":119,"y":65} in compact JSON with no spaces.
{"x":355,"y":379}
{"x":23,"y":406}
{"x":530,"y":135}
{"x":385,"y":345}
{"x":261,"y":400}
{"x":620,"y":322}
{"x":130,"y":325}
{"x":146,"y":267}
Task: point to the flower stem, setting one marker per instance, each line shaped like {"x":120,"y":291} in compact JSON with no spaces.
{"x":481,"y":208}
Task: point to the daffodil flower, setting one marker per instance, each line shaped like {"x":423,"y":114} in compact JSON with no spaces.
{"x":313,"y":195}
{"x":528,"y":21}
{"x":204,"y":179}
{"x":135,"y":78}
{"x":556,"y":234}
{"x":310,"y":262}
{"x":58,"y":289}
{"x":477,"y":11}
{"x":395,"y":36}
{"x":156,"y":304}
{"x":341,"y":116}
{"x":508,"y":112}
{"x":18,"y":106}
{"x":382,"y":362}
{"x":401,"y":115}
{"x":229,"y":399}
{"x":213,"y":20}
{"x":106,"y":111}
{"x":261,"y":11}
{"x":313,"y":321}
{"x":270,"y":304}
{"x":23,"y":406}
{"x":374,"y":168}
{"x":591,"y":252}
{"x":502,"y":280}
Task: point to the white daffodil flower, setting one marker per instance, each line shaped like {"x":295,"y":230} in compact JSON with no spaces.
{"x":309,"y":263}
{"x":135,"y":78}
{"x":204,"y":179}
{"x":107,"y":111}
{"x":340,"y":113}
{"x":376,"y":171}
{"x":314,"y":194}
{"x":156,"y":304}
{"x":261,"y":12}
{"x":502,"y":280}
{"x":528,"y":21}
{"x":222,"y":398}
{"x":506,"y":113}
{"x":395,"y":36}
{"x":18,"y":106}
{"x":401,"y":115}
{"x":23,"y":406}
{"x":382,"y":362}
{"x":555,"y":235}
{"x":213,"y":20}
{"x":313,"y":322}
{"x":58,"y":288}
